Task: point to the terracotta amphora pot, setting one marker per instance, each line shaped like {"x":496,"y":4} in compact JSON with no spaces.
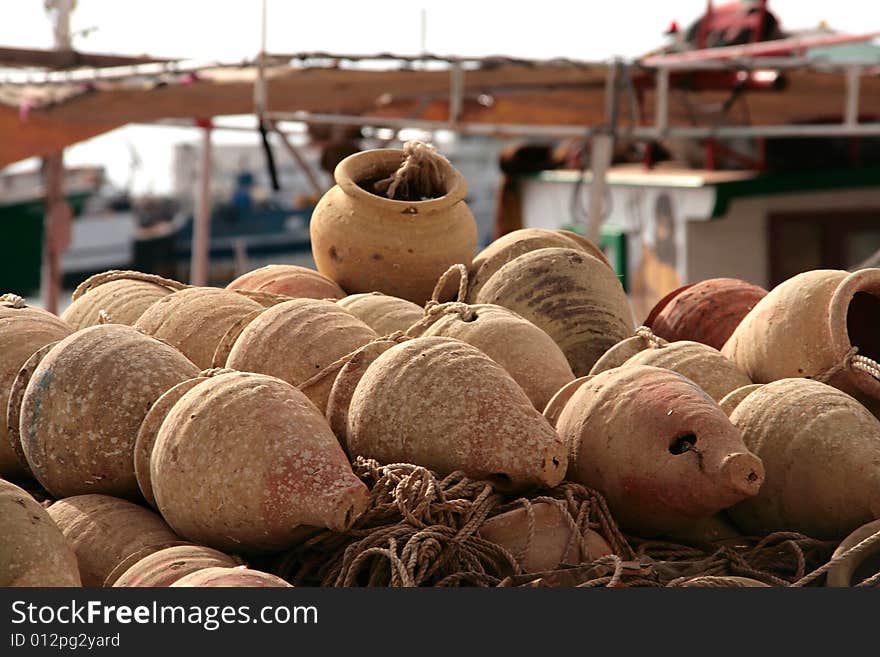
{"x":808,"y":327}
{"x":661,"y":451}
{"x":368,"y":243}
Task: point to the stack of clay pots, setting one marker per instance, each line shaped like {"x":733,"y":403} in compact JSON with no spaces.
{"x":181,"y":434}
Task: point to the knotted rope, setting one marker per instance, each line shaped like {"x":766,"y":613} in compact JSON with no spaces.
{"x":653,"y":340}
{"x":421,"y":176}
{"x":851,"y":361}
{"x":434,"y":310}
{"x":13,"y":300}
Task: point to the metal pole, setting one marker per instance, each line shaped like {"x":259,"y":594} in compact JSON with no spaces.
{"x":56,"y":223}
{"x":456,"y":95}
{"x":293,"y":151}
{"x":853,"y":80}
{"x":201,"y":242}
{"x":661,"y":108}
{"x":601,"y":153}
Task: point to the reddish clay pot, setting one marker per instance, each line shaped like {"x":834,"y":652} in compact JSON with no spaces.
{"x":661,"y":451}
{"x":707,"y":312}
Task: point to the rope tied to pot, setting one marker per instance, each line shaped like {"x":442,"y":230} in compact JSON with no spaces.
{"x":852,"y":360}
{"x":13,"y":300}
{"x":420,"y":176}
{"x":653,"y":340}
{"x":334,"y":367}
{"x":215,"y":371}
{"x":853,"y":554}
{"x":434,"y":309}
{"x":418,"y":529}
{"x":104,"y":317}
{"x":122,"y":274}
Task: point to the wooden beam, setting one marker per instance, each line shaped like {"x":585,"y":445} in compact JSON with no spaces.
{"x":66,"y":59}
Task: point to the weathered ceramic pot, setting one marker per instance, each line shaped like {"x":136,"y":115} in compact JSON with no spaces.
{"x":296,"y":340}
{"x":104,"y":531}
{"x":85,"y":402}
{"x":243,"y":461}
{"x":626,"y":349}
{"x":367,"y":243}
{"x":572,"y":296}
{"x":289,"y":280}
{"x":166,"y":566}
{"x":528,"y":354}
{"x":861,"y":565}
{"x":732,"y":399}
{"x":238,"y":577}
{"x":122,"y":295}
{"x":382,"y":313}
{"x":659,"y":449}
{"x":708,"y":530}
{"x":33,"y":551}
{"x":515,"y":244}
{"x":196,"y":319}
{"x":550,"y":541}
{"x":149,"y":429}
{"x":445,"y":405}
{"x":702,"y":364}
{"x":807,"y":325}
{"x":707,"y":312}
{"x":557,"y":402}
{"x":345,"y":383}
{"x":23,"y":330}
{"x":821,"y":451}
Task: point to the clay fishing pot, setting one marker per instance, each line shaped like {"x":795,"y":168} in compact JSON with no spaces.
{"x":345,"y":383}
{"x":369,"y":243}
{"x":554,"y":407}
{"x":550,"y":543}
{"x":33,"y":551}
{"x":166,"y":566}
{"x":573,"y":297}
{"x":516,"y":243}
{"x":382,"y":313}
{"x":732,"y":399}
{"x":445,"y":405}
{"x":289,"y":280}
{"x":528,"y":354}
{"x":860,"y":565}
{"x":196,"y":319}
{"x":85,"y":402}
{"x":707,"y":312}
{"x":296,"y":340}
{"x":149,"y":430}
{"x":122,"y":295}
{"x":821,"y":450}
{"x":659,"y":449}
{"x":702,"y":364}
{"x":626,"y":349}
{"x":239,"y":577}
{"x":23,"y":330}
{"x":243,"y":460}
{"x":16,"y":398}
{"x":806,"y":326}
{"x":104,"y":531}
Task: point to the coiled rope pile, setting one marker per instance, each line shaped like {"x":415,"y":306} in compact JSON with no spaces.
{"x":422,"y":530}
